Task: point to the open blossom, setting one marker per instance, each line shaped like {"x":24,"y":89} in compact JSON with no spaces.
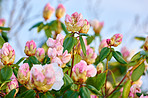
{"x":7,"y":54}
{"x":97,"y":26}
{"x":125,"y":52}
{"x":40,"y":54}
{"x":30,"y":48}
{"x":85,"y":27}
{"x":60,"y":11}
{"x":133,"y":90}
{"x":75,"y":22}
{"x":47,"y":77}
{"x":23,"y":73}
{"x":103,"y":44}
{"x":99,"y":68}
{"x":90,"y":55}
{"x":12,"y":85}
{"x":81,"y":71}
{"x":115,"y":40}
{"x":48,"y":11}
{"x":145,"y":47}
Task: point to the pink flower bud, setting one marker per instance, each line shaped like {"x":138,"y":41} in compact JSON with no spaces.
{"x":75,"y":22}
{"x":30,"y":48}
{"x":133,"y":90}
{"x":117,"y":39}
{"x":23,"y":73}
{"x":125,"y":52}
{"x":2,"y":23}
{"x":110,"y":42}
{"x":60,"y":11}
{"x":145,"y":47}
{"x":40,"y":54}
{"x":102,"y":45}
{"x":48,"y":11}
{"x":90,"y":55}
{"x":7,"y":54}
{"x":85,"y":27}
{"x":91,"y":71}
{"x":100,"y":68}
{"x":143,"y":96}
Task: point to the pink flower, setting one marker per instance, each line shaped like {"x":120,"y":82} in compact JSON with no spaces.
{"x":50,"y":42}
{"x":7,"y":54}
{"x":60,"y":39}
{"x":145,"y":47}
{"x":125,"y":52}
{"x":48,"y":11}
{"x":143,"y":96}
{"x":2,"y":22}
{"x":91,"y":71}
{"x":23,"y":73}
{"x":85,"y":27}
{"x":117,"y":39}
{"x":40,"y":54}
{"x":90,"y":55}
{"x":102,"y":45}
{"x":75,"y":22}
{"x":60,"y":11}
{"x":30,"y":48}
{"x":52,"y":53}
{"x":134,"y":89}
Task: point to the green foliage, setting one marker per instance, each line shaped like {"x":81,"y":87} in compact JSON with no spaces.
{"x":6,"y":73}
{"x":34,"y":60}
{"x":118,"y":57}
{"x":18,"y":62}
{"x":10,"y":94}
{"x":46,"y":95}
{"x":68,"y":43}
{"x":93,"y":90}
{"x":64,"y":28}
{"x":82,"y":45}
{"x":83,"y":34}
{"x":2,"y":41}
{"x":5,"y":28}
{"x":126,"y":89}
{"x":27,"y":94}
{"x":90,"y":39}
{"x":97,"y":60}
{"x":104,"y":53}
{"x":5,"y":37}
{"x":84,"y":92}
{"x":136,"y":57}
{"x":77,"y":58}
{"x":36,"y":25}
{"x":138,"y":72}
{"x":140,"y":38}
{"x":71,"y":94}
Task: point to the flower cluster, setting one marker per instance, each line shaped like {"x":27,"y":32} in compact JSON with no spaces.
{"x":76,"y":23}
{"x":55,"y":51}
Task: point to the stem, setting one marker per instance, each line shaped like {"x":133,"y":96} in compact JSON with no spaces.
{"x":126,"y":76}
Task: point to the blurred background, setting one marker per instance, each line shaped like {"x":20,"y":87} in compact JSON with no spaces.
{"x":129,"y":17}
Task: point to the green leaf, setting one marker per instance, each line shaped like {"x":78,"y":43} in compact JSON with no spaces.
{"x":46,"y":60}
{"x":118,"y":57}
{"x":29,"y":62}
{"x":90,"y":39}
{"x":110,"y":56}
{"x":34,"y":60}
{"x":36,"y":25}
{"x":2,"y":41}
{"x":97,"y":60}
{"x":6,"y":73}
{"x":136,"y":56}
{"x":71,"y":94}
{"x":46,"y":95}
{"x":83,"y":34}
{"x":82,"y":45}
{"x":27,"y":94}
{"x":20,"y":60}
{"x":144,"y":53}
{"x":84,"y":92}
{"x":4,"y":84}
{"x":77,"y":58}
{"x":139,"y":94}
{"x":126,"y":89}
{"x":10,"y":94}
{"x":138,"y":72}
{"x":67,"y":80}
{"x":68,"y":44}
{"x":65,"y":88}
{"x":132,"y":63}
{"x":93,"y":90}
{"x":40,"y":27}
{"x":5,"y":28}
{"x":64,"y":28}
{"x":140,"y":38}
{"x":115,"y":95}
{"x":99,"y":79}
{"x":113,"y":77}
{"x":5,"y":37}
{"x":48,"y":32}
{"x":104,"y":53}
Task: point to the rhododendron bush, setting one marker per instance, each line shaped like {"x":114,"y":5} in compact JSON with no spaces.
{"x":67,"y":65}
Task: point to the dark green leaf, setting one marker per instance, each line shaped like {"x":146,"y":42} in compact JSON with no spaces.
{"x":70,"y":94}
{"x":93,"y":90}
{"x":118,"y":57}
{"x":10,"y":94}
{"x":126,"y":89}
{"x":29,"y":62}
{"x":65,"y":88}
{"x":68,"y":44}
{"x":48,"y":32}
{"x":46,"y":95}
{"x":110,"y":56}
{"x":2,"y":41}
{"x":6,"y":73}
{"x":140,"y":38}
{"x":5,"y":28}
{"x":82,"y":45}
{"x":99,"y":79}
{"x":136,"y":56}
{"x":97,"y":60}
{"x":138,"y":72}
{"x":139,"y":94}
{"x":20,"y":60}
{"x":84,"y":92}
{"x":36,"y":25}
{"x":67,"y":80}
{"x":40,"y":27}
{"x":5,"y":37}
{"x":104,"y":53}
{"x":4,"y":84}
{"x":46,"y":60}
{"x":90,"y":39}
{"x":34,"y":60}
{"x":115,"y":95}
{"x":64,"y":28}
{"x":83,"y":34}
{"x":27,"y":94}
{"x":132,"y":63}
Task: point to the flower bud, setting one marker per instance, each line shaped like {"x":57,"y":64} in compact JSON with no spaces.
{"x":85,"y":27}
{"x":133,"y":90}
{"x":7,"y":54}
{"x":117,"y":39}
{"x":99,"y":68}
{"x":125,"y":52}
{"x":90,"y":55}
{"x":109,"y":87}
{"x":75,"y":22}
{"x":48,"y":11}
{"x":145,"y":47}
{"x":23,"y":73}
{"x":30,"y":48}
{"x":58,"y":30}
{"x":60,"y":11}
{"x":40,"y":54}
{"x":102,"y":45}
{"x":91,"y":71}
{"x":110,"y":42}
{"x":2,"y":23}
{"x":97,"y":26}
